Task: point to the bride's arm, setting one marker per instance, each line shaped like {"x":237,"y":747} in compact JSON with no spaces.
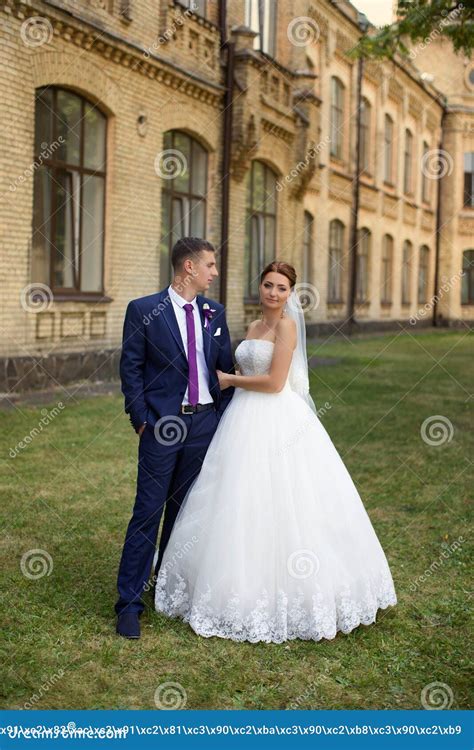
{"x":275,"y":379}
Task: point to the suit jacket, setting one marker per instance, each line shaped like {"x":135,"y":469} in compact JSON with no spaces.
{"x":154,"y":364}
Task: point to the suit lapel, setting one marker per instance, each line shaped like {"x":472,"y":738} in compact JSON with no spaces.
{"x":206,"y":334}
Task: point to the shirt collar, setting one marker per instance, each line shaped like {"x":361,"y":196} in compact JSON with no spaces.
{"x":180,"y":300}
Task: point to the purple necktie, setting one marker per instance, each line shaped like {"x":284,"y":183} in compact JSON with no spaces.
{"x":193,"y":384}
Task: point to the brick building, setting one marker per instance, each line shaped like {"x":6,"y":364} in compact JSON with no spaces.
{"x":129,"y":124}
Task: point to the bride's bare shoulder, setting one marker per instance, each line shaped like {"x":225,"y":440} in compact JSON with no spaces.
{"x":252,"y":326}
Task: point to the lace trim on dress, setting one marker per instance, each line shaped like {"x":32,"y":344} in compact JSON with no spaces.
{"x":292,"y":619}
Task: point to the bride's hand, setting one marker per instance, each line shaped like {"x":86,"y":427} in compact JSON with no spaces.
{"x":224,"y":379}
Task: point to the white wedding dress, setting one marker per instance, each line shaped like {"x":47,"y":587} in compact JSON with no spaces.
{"x":272,"y":541}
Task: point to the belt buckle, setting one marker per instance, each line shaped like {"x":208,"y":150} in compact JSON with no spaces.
{"x":187,"y":409}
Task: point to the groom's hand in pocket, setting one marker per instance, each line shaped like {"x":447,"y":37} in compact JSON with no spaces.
{"x":140,"y":429}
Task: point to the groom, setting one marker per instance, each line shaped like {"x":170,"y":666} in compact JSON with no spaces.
{"x":173,"y":343}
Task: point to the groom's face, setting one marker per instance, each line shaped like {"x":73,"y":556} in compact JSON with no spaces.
{"x":204,"y":270}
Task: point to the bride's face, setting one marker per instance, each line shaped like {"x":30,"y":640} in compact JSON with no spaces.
{"x":274,"y":290}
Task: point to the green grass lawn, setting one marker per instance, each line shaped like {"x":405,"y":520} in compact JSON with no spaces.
{"x":70,"y":493}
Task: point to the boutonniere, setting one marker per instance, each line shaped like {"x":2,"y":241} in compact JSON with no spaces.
{"x":208,"y":313}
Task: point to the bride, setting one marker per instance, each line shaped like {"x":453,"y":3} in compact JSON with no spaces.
{"x":272,"y":541}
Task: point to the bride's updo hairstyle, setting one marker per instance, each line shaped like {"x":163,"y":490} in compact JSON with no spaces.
{"x":279,"y":266}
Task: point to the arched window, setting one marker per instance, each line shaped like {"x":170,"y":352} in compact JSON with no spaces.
{"x":365,"y":116}
{"x":362,"y":264}
{"x":335,"y":261}
{"x":423,"y":274}
{"x":183,"y":195}
{"x":388,"y":150}
{"x":337,"y":117}
{"x":69,"y":193}
{"x":387,"y":260}
{"x":406,"y":272}
{"x":408,"y":162}
{"x":467,"y":293}
{"x":260,"y":224}
{"x":307,"y":246}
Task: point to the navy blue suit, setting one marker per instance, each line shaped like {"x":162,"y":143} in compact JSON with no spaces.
{"x":154,"y":374}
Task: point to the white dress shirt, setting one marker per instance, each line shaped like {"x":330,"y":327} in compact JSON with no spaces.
{"x":203,"y":373}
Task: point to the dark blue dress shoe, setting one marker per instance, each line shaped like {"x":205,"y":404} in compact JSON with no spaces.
{"x":128,"y":625}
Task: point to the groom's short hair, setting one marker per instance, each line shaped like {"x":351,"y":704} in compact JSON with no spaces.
{"x":188,"y":247}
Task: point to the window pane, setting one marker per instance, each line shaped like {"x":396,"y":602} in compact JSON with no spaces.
{"x":181,"y":144}
{"x":165,"y":260}
{"x":66,"y":241}
{"x":197,"y":218}
{"x":198,"y":170}
{"x":269,"y":240}
{"x":270,"y":182}
{"x":41,"y":226}
{"x":92,"y":233}
{"x":258,"y":197}
{"x":94,"y":138}
{"x":68,"y":124}
{"x":43,"y":120}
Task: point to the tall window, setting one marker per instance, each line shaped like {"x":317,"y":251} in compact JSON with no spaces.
{"x":406,"y":272}
{"x":336,"y":251}
{"x":387,"y":260}
{"x":423,"y":274}
{"x":467,"y":291}
{"x":362,"y":264}
{"x":69,"y":193}
{"x":388,"y":149}
{"x":183,"y":197}
{"x":424,"y":175}
{"x":469,"y":179}
{"x":408,"y":162}
{"x":365,"y":116}
{"x":307,"y":246}
{"x":337,"y":117}
{"x":260,"y":224}
{"x":260,"y":16}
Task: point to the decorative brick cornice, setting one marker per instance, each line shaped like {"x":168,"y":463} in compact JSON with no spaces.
{"x":84,"y":34}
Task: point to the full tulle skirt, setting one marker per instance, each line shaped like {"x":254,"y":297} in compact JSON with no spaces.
{"x":272,"y":541}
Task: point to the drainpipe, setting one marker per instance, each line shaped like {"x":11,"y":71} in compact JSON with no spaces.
{"x":363,"y":25}
{"x":435,"y":322}
{"x":228,"y":48}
